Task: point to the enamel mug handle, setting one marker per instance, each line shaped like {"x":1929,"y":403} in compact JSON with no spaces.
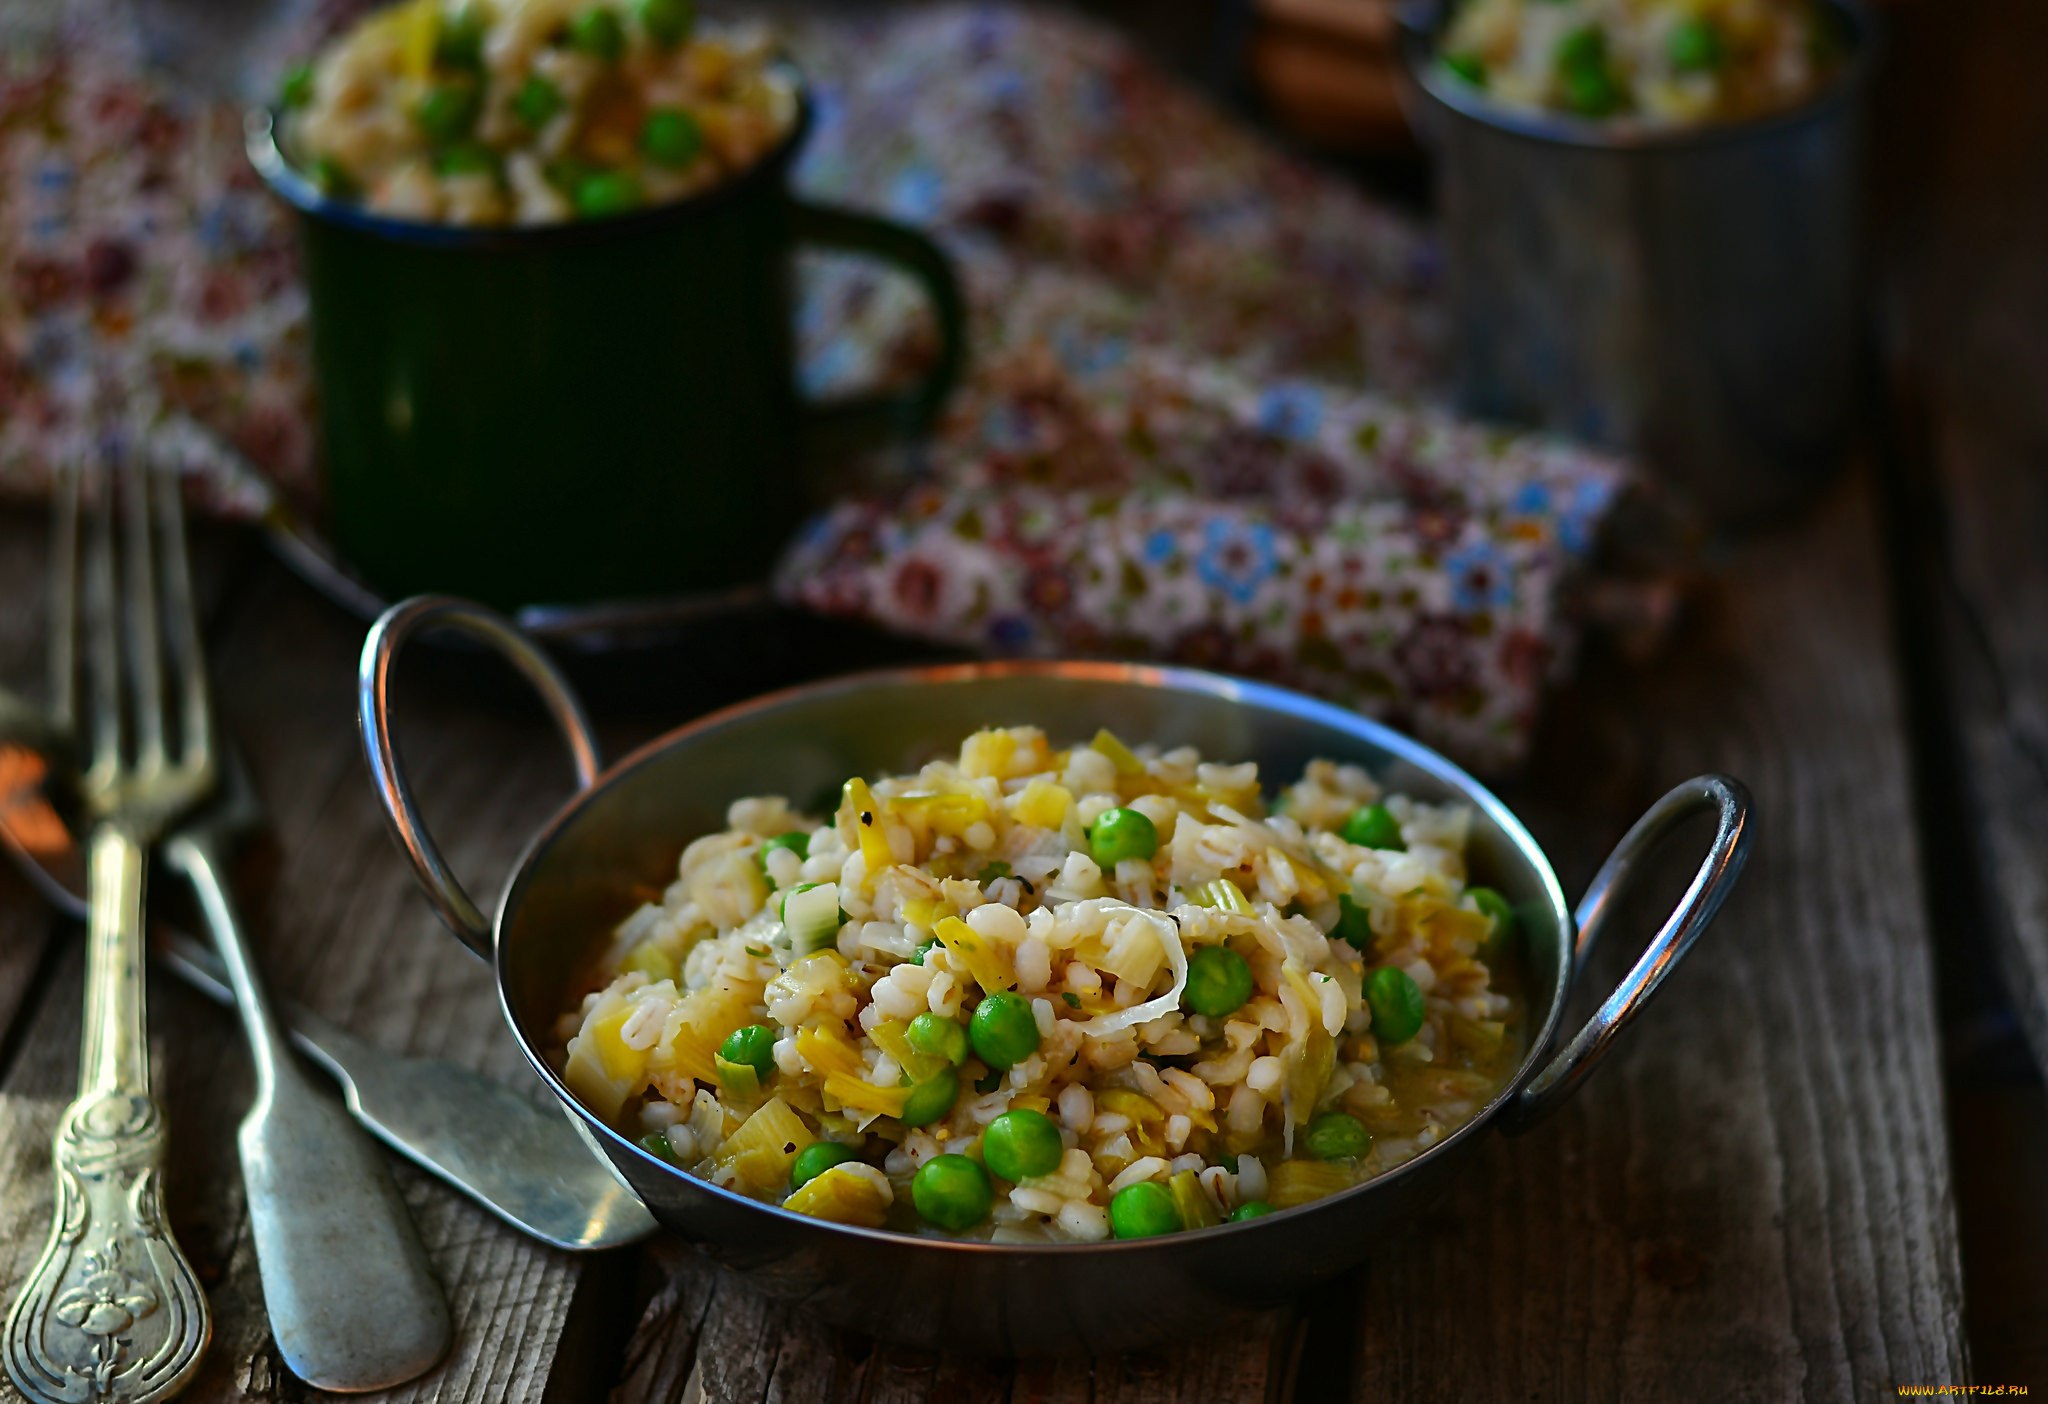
{"x":373,"y":708}
{"x":1730,"y":801}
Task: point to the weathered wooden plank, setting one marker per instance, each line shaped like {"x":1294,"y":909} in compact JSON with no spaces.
{"x":1974,"y":296}
{"x":1752,"y":1200}
{"x":25,"y":928}
{"x":1967,"y":205}
{"x":703,"y":1337}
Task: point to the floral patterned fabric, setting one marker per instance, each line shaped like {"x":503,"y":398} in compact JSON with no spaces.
{"x":1164,"y":449}
{"x":1196,"y":424}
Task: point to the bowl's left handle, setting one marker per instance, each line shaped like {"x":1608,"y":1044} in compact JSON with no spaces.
{"x":373,"y":709}
{"x":1729,"y":801}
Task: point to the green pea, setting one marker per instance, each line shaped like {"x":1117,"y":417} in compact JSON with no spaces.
{"x":447,"y":112}
{"x":1003,"y":1030}
{"x":951,"y":1192}
{"x":655,"y":1143}
{"x":938,"y":1036}
{"x":460,"y":43}
{"x":1119,"y":834}
{"x":537,"y":101}
{"x":992,"y":872}
{"x":1467,"y":68}
{"x":1022,"y":1143}
{"x":607,"y":193}
{"x":1589,"y":87}
{"x":814,"y":1160}
{"x":753,"y":1045}
{"x":467,"y":158}
{"x":1219,"y":982}
{"x":1695,"y":46}
{"x":667,"y":22}
{"x":1491,"y":904}
{"x":1592,"y":92}
{"x":1353,"y":923}
{"x":797,"y":843}
{"x":1372,"y":826}
{"x":332,"y":178}
{"x":1251,"y":1209}
{"x":1337,"y":1136}
{"x":931,"y":1099}
{"x":1396,"y":1003}
{"x":598,"y":33}
{"x":1143,"y":1210}
{"x":924,"y":948}
{"x":296,"y":89}
{"x":1584,"y":47}
{"x":986,"y":1085}
{"x":671,"y":137}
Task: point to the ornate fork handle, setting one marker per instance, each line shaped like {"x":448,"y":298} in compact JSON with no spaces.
{"x":111,"y":1311}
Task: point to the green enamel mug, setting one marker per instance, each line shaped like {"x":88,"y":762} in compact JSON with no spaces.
{"x":583,"y":412}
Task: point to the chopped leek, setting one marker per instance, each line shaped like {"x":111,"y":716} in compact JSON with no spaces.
{"x":951,"y":812}
{"x":1222,"y":894}
{"x":812,"y":917}
{"x":862,"y":1095}
{"x":1310,"y":1061}
{"x":865,"y":812}
{"x":1293,"y":1182}
{"x":1121,"y":756}
{"x":1042,"y":804}
{"x":741,"y":1080}
{"x":1192,"y":1201}
{"x":650,"y":960}
{"x":1168,"y":931}
{"x":989,"y":969}
{"x":987,"y":753}
{"x":760,"y":1153}
{"x":602,"y":1070}
{"x":847,"y":1193}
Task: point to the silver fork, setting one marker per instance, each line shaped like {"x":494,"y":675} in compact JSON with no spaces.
{"x":112,"y":1310}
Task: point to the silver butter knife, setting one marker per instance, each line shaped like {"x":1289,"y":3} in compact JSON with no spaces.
{"x":351,"y":1298}
{"x":524,"y":1162}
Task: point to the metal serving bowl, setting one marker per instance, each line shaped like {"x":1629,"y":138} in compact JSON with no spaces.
{"x":626,"y":824}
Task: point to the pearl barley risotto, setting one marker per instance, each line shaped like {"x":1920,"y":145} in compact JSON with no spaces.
{"x":1657,"y":62}
{"x":1041,"y":995}
{"x":533,"y":111}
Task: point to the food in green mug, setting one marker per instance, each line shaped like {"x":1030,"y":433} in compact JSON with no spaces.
{"x":532,"y":111}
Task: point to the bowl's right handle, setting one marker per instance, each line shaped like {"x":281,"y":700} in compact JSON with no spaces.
{"x":1709,"y":888}
{"x":373,"y":713}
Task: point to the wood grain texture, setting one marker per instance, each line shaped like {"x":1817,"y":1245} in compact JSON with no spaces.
{"x":1971,"y":339}
{"x":1752,"y":1199}
{"x":26,"y":929}
{"x":705,"y":1338}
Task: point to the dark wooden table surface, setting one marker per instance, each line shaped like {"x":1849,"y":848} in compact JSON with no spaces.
{"x":1818,"y":1168}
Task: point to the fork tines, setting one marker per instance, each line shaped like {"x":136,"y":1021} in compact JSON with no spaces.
{"x":138,"y":609}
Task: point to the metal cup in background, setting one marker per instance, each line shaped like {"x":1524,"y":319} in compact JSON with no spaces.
{"x":1692,"y":296}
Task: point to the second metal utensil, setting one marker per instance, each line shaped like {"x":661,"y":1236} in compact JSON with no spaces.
{"x":352,"y":1301}
{"x":523,"y":1161}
